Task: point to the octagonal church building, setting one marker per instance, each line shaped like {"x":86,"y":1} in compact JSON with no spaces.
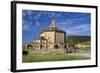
{"x":51,"y":40}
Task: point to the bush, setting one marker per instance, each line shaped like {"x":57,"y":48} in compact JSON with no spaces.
{"x":25,"y":52}
{"x":29,"y":46}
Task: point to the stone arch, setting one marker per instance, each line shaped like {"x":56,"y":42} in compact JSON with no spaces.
{"x":29,"y":46}
{"x":56,"y":46}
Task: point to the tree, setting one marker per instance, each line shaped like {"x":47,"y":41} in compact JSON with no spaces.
{"x":71,"y":42}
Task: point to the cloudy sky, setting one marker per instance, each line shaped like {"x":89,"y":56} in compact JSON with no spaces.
{"x":73,"y":23}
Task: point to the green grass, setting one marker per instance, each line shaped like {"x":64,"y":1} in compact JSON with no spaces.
{"x":51,"y":57}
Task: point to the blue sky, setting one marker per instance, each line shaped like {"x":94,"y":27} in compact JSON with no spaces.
{"x":74,"y":23}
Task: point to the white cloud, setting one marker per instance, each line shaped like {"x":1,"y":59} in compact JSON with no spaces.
{"x":53,"y":15}
{"x":37,"y":23}
{"x":24,"y":14}
{"x":65,"y":22}
{"x":70,"y":21}
{"x":78,"y":29}
{"x":36,"y":17}
{"x":72,"y":29}
{"x":27,"y":25}
{"x":29,"y":12}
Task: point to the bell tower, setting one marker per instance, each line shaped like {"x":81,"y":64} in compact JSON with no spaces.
{"x":53,"y":23}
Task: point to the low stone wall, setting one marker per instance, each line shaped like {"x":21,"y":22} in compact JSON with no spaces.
{"x":45,"y":50}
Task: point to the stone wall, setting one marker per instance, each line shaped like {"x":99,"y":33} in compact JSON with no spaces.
{"x":49,"y":36}
{"x":59,"y":37}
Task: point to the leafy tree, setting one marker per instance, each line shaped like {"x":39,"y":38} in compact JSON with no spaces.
{"x":77,"y":39}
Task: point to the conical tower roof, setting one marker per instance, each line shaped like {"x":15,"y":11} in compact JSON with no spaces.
{"x":53,"y":23}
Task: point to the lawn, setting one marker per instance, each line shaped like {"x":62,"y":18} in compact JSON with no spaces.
{"x":51,"y":57}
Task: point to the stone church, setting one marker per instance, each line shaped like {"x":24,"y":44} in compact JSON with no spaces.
{"x":51,"y":40}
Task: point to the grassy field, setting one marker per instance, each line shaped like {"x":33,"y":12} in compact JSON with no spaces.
{"x":51,"y":57}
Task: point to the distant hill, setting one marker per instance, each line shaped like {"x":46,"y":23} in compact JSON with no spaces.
{"x":77,"y":39}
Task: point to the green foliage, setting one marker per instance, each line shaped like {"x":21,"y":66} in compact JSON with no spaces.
{"x":25,"y":52}
{"x":77,"y":39}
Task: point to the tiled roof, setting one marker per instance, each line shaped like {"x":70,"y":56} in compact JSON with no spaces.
{"x":53,"y":29}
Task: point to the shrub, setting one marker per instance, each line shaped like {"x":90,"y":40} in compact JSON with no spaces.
{"x":25,"y":52}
